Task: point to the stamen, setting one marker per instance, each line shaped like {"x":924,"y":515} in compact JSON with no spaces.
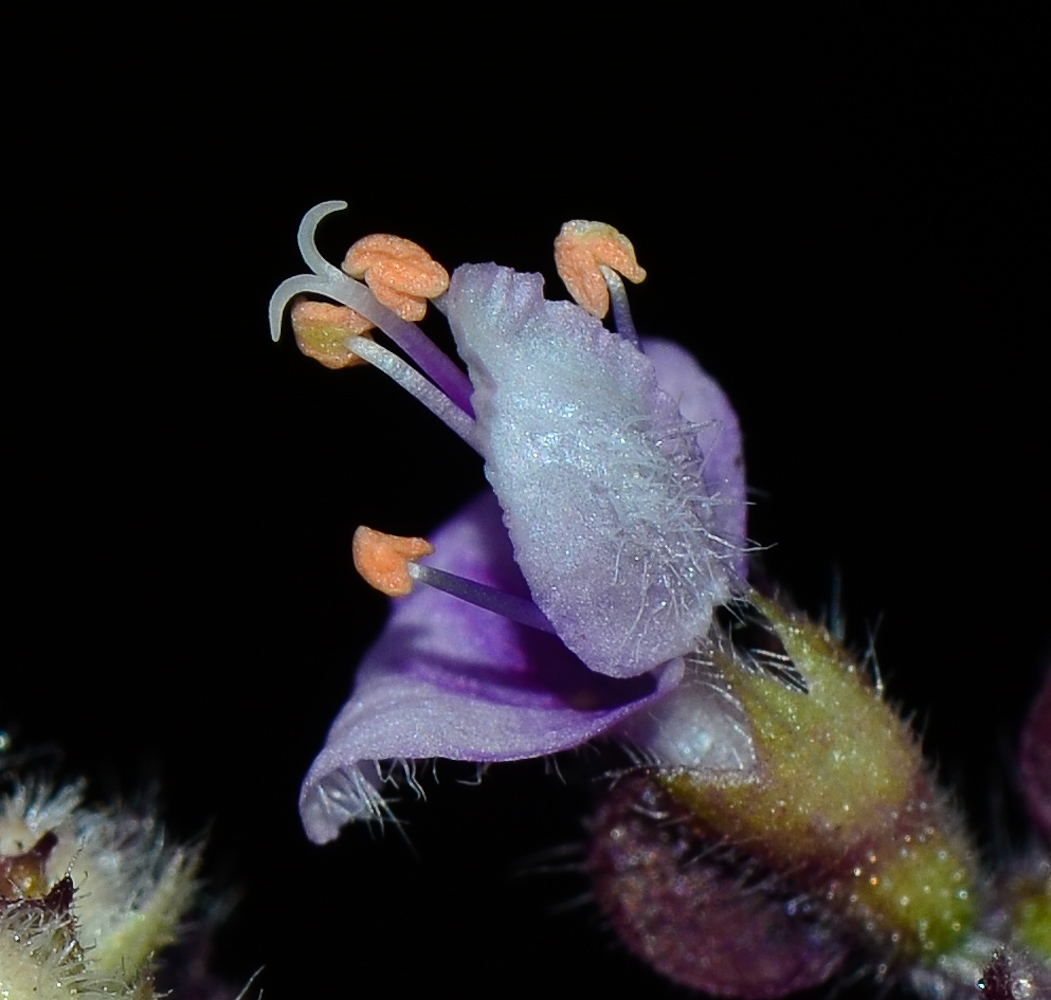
{"x":384,"y":560}
{"x":413,"y":382}
{"x":583,"y":253}
{"x":388,"y":563}
{"x":401,"y":274}
{"x":322,"y":330}
{"x":332,"y":283}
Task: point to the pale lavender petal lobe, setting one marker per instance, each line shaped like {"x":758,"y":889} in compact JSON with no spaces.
{"x":447,"y":679}
{"x":601,"y":480}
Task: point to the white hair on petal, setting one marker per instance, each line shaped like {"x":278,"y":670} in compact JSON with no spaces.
{"x":347,"y":794}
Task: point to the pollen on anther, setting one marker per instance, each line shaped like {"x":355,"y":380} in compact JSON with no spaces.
{"x":383,"y":560}
{"x":401,"y":274}
{"x":582,"y":249}
{"x":322,"y":330}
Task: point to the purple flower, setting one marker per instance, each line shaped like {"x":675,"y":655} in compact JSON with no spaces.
{"x":567,"y":603}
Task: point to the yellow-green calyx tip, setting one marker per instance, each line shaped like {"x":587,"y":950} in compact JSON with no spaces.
{"x":840,"y":802}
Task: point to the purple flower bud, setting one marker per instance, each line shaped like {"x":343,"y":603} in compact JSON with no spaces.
{"x":700,"y":913}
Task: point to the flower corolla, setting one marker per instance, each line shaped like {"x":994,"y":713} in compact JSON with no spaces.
{"x":575,"y":599}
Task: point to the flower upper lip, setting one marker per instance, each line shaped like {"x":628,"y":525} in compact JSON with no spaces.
{"x":627,"y":543}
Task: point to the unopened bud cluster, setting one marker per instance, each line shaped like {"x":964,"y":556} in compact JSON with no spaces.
{"x":89,"y":897}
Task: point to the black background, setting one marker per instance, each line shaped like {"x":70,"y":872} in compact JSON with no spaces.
{"x":841,"y":221}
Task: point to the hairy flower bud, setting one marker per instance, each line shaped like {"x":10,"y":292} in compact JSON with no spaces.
{"x":701,"y":913}
{"x":89,"y":898}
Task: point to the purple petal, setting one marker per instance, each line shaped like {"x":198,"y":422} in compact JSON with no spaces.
{"x":447,"y":679}
{"x":601,"y":480}
{"x":1036,"y":761}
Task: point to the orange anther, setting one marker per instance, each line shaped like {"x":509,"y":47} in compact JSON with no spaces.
{"x":400,"y":273}
{"x":383,"y":560}
{"x":322,"y":330}
{"x":581,"y":250}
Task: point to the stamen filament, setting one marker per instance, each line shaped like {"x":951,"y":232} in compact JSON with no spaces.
{"x":622,"y":321}
{"x":518,"y":609}
{"x":414,"y":383}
